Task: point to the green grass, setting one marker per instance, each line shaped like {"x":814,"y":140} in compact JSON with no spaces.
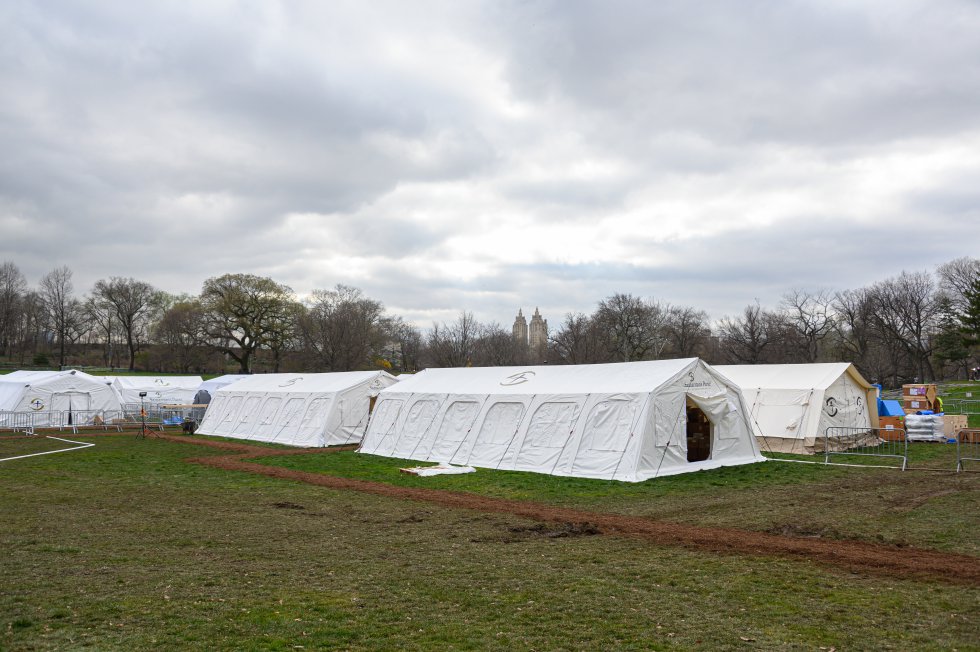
{"x":125,"y":546}
{"x":930,"y":509}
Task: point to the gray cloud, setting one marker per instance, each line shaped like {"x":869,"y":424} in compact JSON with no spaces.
{"x":488,"y":156}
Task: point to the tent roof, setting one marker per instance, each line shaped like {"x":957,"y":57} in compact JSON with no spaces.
{"x":156,"y":382}
{"x":301,"y":383}
{"x":790,"y":376}
{"x":221,"y":381}
{"x":545,"y":379}
{"x":25,"y":378}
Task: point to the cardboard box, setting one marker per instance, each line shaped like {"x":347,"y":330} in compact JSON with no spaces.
{"x":892,"y":428}
{"x":927,"y":392}
{"x":953,"y":423}
{"x":915,"y":403}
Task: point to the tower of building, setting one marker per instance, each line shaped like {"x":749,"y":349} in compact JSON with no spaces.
{"x":538,"y":335}
{"x":520,"y":328}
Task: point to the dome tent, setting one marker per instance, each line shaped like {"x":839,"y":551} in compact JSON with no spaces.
{"x":56,"y":398}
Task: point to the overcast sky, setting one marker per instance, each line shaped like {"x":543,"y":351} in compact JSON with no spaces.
{"x":487,"y":156}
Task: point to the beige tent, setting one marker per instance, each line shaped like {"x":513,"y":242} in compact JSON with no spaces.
{"x":792,"y":405}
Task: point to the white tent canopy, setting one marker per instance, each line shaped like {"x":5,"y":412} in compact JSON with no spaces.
{"x":177,"y":390}
{"x":296,"y":409}
{"x":792,"y":405}
{"x":628,"y":421}
{"x":211,"y":386}
{"x":56,"y":397}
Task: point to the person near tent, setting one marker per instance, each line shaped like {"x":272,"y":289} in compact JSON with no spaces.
{"x":939,"y":404}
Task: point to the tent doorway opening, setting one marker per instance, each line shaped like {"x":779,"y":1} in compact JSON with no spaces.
{"x":698,"y":434}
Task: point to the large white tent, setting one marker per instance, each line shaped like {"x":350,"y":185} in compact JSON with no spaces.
{"x":175,"y":390}
{"x":207,"y":389}
{"x":296,"y":409}
{"x":55,"y":397}
{"x":792,"y":405}
{"x":627,"y":421}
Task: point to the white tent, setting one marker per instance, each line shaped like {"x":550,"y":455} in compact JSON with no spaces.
{"x":296,"y":409}
{"x":628,"y":421}
{"x":211,"y":386}
{"x":176,"y":390}
{"x":792,"y":405}
{"x":55,"y":397}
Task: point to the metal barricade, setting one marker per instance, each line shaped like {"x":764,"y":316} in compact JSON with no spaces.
{"x":967,"y":447}
{"x":961,"y":406}
{"x":867,"y":442}
{"x":18,"y":422}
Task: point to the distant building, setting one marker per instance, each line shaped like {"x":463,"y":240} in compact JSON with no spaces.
{"x":533,"y":336}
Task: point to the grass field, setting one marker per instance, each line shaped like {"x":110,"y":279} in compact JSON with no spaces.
{"x":126,"y":546}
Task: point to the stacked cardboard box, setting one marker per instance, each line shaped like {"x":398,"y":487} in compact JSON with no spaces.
{"x":953,"y":423}
{"x":919,"y":397}
{"x":892,"y":428}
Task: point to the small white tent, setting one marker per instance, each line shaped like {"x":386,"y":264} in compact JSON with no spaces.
{"x":627,"y":421}
{"x":296,"y":409}
{"x":55,"y":397}
{"x":792,"y":405}
{"x":175,"y":390}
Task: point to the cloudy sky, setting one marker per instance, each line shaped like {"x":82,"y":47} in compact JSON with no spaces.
{"x":492,"y":155}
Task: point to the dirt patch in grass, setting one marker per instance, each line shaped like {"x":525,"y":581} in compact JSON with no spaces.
{"x":789,"y":541}
{"x":542,"y":531}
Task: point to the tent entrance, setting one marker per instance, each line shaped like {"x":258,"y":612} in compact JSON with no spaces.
{"x":698,"y":434}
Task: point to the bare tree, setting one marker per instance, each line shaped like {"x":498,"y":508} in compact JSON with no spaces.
{"x":811,"y":316}
{"x":496,"y":347}
{"x":687,"y":331}
{"x":905,"y":312}
{"x":747,"y":339}
{"x":343,"y":329}
{"x":403,"y":347}
{"x":578,"y":341}
{"x":634,"y":329}
{"x":956,"y":278}
{"x":178,"y":332}
{"x":132,"y":303}
{"x":453,"y":345}
{"x":64,"y":310}
{"x":12,"y":289}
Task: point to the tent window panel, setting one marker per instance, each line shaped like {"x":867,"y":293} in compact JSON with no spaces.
{"x":551,"y":425}
{"x":384,"y":415}
{"x":269,"y":409}
{"x":501,"y":423}
{"x":458,"y":420}
{"x":250,"y":404}
{"x":313,"y":416}
{"x":419,"y":418}
{"x":608,"y":426}
{"x":231,"y":410}
{"x":291,"y":412}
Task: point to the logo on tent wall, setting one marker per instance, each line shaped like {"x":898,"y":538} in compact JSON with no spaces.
{"x":37,"y":404}
{"x":691,"y":383}
{"x":831,"y":407}
{"x":517,"y":379}
{"x":291,"y":381}
{"x":160,"y":381}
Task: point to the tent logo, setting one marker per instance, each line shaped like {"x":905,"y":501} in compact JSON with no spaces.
{"x":291,"y":381}
{"x":691,"y":382}
{"x":517,"y":379}
{"x":37,"y":404}
{"x":160,"y":381}
{"x":831,"y":407}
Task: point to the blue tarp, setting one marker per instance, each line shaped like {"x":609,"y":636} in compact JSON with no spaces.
{"x":890,"y":408}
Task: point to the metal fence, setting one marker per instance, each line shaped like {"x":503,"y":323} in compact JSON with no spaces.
{"x":967,"y":447}
{"x":75,"y":419}
{"x":17,"y":422}
{"x":961,"y":406}
{"x":867,"y":443}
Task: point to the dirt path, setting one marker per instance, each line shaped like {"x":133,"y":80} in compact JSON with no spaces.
{"x":855,"y":556}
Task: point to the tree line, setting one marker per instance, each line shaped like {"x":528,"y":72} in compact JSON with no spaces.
{"x":917,"y":325}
